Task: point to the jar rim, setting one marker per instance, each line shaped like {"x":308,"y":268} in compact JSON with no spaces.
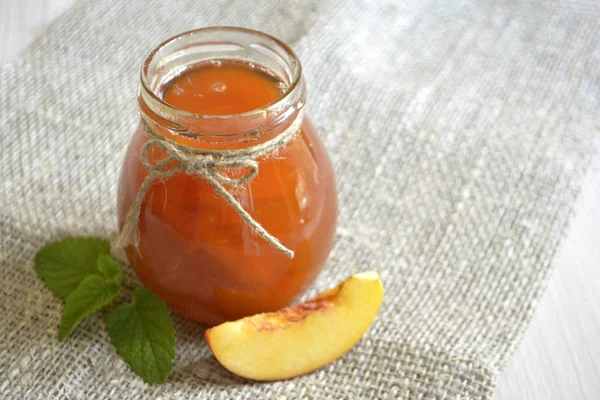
{"x":294,"y":83}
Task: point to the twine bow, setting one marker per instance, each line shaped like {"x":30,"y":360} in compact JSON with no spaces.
{"x":207,"y":164}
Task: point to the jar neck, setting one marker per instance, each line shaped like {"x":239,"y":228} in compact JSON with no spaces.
{"x":189,"y":49}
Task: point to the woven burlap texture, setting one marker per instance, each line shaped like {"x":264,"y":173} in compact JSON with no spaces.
{"x":459,"y":132}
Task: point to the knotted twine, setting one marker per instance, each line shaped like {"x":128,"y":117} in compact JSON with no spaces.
{"x":207,"y":164}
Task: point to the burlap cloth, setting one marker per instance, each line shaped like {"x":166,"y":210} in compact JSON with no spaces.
{"x":459,"y":131}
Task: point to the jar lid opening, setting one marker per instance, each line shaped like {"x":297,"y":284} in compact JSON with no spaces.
{"x":172,"y":57}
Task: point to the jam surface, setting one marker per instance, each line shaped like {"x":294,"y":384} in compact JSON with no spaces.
{"x":221,"y":88}
{"x":195,"y":251}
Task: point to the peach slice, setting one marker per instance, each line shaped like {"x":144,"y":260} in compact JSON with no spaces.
{"x":297,"y":340}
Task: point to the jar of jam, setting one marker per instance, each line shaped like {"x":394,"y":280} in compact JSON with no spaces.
{"x":227,"y":202}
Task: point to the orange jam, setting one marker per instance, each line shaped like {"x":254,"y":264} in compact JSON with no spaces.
{"x":194,"y":250}
{"x":221,"y":88}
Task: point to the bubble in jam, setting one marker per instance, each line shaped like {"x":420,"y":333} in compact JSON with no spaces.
{"x":282,"y":87}
{"x":219,"y":87}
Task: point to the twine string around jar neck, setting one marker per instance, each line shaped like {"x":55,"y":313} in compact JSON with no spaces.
{"x":209,"y":165}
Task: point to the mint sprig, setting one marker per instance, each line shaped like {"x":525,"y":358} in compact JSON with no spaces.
{"x":81,"y":272}
{"x":108,"y":268}
{"x":89,"y":296}
{"x":144,"y":335}
{"x":62,"y":265}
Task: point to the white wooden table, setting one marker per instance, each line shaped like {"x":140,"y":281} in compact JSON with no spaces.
{"x":559,"y":356}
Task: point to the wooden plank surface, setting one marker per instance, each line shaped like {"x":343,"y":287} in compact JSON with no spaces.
{"x":559,"y":356}
{"x":21,"y":21}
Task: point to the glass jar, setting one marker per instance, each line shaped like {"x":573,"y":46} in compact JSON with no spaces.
{"x":194,"y":249}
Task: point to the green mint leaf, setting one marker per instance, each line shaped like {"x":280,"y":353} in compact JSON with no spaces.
{"x":63,"y":265}
{"x":89,"y":296}
{"x":108,"y":268}
{"x":144,"y":335}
